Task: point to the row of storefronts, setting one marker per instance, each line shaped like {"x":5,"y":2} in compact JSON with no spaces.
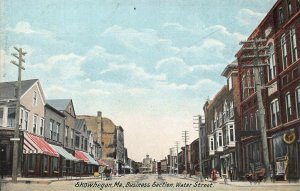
{"x":46,"y":160}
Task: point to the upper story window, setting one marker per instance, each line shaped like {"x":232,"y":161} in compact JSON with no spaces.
{"x":298,"y":101}
{"x":11,"y":115}
{"x":51,"y":128}
{"x":230,"y":83}
{"x":1,"y":116}
{"x":243,"y":86}
{"x":293,"y":41}
{"x":271,"y":60}
{"x":274,"y":113}
{"x":298,"y":4}
{"x":283,"y":52}
{"x":34,"y":98}
{"x":220,"y":140}
{"x":281,"y":15}
{"x":42,"y":127}
{"x":289,"y":7}
{"x":288,"y":106}
{"x":231,"y":112}
{"x":34,"y":127}
{"x":57,"y":131}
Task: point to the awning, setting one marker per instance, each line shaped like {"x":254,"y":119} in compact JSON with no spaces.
{"x":91,"y":159}
{"x":63,"y":152}
{"x":80,"y":156}
{"x":37,"y":145}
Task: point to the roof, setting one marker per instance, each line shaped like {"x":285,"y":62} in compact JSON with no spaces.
{"x":7,"y":89}
{"x":63,"y":152}
{"x":83,"y":156}
{"x":79,"y":123}
{"x":36,"y":144}
{"x":59,"y":104}
{"x":55,"y":110}
{"x":233,"y":65}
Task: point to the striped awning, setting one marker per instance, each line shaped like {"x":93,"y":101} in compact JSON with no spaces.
{"x":34,"y":144}
{"x":63,"y":152}
{"x":80,"y":155}
{"x":91,"y":159}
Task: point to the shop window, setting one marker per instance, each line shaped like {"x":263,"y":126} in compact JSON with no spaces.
{"x":45,"y":163}
{"x":54,"y":164}
{"x":31,"y":161}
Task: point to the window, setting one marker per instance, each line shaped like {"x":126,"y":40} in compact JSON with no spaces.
{"x":243,"y":86}
{"x":11,"y":117}
{"x":289,"y":6}
{"x":31,"y":161}
{"x":85,"y":144}
{"x":34,"y":124}
{"x":288,"y":106}
{"x":51,"y":128}
{"x":55,"y":164}
{"x":298,"y":4}
{"x":281,"y":16}
{"x":57,"y":131}
{"x":77,"y":141}
{"x":45,"y":163}
{"x":211,"y":144}
{"x":66,"y":135}
{"x":220,"y":139}
{"x":1,"y":117}
{"x":231,"y":112}
{"x":72,"y":135}
{"x":230,"y":83}
{"x":81,"y":143}
{"x":271,"y":59}
{"x":231,"y":134}
{"x":25,"y":120}
{"x":283,"y":52}
{"x":274,"y":113}
{"x":42,"y":127}
{"x":298,"y":101}
{"x":293,"y":45}
{"x":34,"y":99}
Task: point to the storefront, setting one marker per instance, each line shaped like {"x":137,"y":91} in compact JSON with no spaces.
{"x":66,"y":161}
{"x":40,"y":159}
{"x":86,"y":165}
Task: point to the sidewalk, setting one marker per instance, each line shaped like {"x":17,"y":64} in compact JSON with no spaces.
{"x":46,"y":180}
{"x":242,"y":183}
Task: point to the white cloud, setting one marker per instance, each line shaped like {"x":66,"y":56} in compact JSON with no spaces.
{"x":137,"y":72}
{"x":222,"y":29}
{"x":24,"y":27}
{"x":213,"y":44}
{"x":173,"y":66}
{"x":249,"y":17}
{"x":202,"y":83}
{"x":65,"y":66}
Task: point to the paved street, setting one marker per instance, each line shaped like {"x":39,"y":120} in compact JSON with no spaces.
{"x":144,"y":182}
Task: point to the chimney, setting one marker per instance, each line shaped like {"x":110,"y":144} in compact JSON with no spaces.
{"x":99,"y":114}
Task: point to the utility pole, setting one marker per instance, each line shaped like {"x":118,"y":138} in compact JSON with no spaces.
{"x":177,"y":143}
{"x":19,"y":55}
{"x":170,"y":170}
{"x":257,"y":48}
{"x":199,"y":123}
{"x":185,"y":138}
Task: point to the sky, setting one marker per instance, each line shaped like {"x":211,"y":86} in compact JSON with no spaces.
{"x":149,"y":66}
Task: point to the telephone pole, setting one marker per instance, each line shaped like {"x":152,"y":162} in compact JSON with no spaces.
{"x":19,"y":55}
{"x":257,"y":48}
{"x":177,"y":143}
{"x":199,"y":123}
{"x":185,"y":138}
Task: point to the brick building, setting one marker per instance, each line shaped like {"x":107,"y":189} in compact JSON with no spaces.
{"x":281,"y":93}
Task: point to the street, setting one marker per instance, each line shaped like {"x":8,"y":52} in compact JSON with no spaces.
{"x":143,"y":182}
